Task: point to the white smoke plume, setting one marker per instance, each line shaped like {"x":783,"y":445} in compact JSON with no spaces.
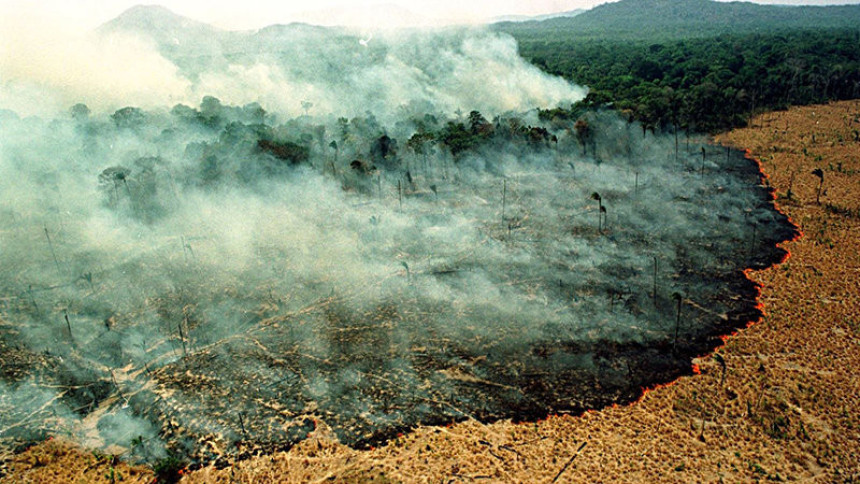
{"x":149,"y":57}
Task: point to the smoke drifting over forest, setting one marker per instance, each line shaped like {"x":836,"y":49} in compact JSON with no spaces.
{"x":149,"y":58}
{"x":373,"y":231}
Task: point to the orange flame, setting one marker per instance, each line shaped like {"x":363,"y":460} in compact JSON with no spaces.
{"x":748,"y":274}
{"x":695,"y":368}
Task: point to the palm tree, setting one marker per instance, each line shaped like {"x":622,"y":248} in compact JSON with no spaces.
{"x":333,"y":145}
{"x":306,"y":106}
{"x":600,"y":210}
{"x":820,"y":174}
{"x":603,"y":212}
{"x":583,"y":134}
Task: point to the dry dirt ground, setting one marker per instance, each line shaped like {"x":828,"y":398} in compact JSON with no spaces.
{"x":786,"y":407}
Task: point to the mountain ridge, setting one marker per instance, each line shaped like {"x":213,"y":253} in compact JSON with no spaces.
{"x":152,"y":16}
{"x":537,"y":18}
{"x":689,"y":18}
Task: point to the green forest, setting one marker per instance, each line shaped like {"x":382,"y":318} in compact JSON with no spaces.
{"x":668,"y":74}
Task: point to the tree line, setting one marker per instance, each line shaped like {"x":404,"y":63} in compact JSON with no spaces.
{"x":705,"y":84}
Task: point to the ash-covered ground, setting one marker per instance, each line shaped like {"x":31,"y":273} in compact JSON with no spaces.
{"x":212,"y":279}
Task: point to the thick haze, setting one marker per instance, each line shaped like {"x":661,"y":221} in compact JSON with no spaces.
{"x":151,"y":57}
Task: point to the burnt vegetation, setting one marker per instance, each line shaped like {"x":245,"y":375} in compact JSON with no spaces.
{"x":208,"y":282}
{"x":449,"y":306}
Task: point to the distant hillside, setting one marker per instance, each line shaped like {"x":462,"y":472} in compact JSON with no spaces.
{"x":195,"y":47}
{"x":537,"y":18}
{"x":168,"y":30}
{"x":686,"y":18}
{"x":700,"y":64}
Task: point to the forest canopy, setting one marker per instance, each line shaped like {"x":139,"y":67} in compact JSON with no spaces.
{"x":666,"y":72}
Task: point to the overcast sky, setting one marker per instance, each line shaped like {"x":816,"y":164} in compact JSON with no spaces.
{"x":250,"y":14}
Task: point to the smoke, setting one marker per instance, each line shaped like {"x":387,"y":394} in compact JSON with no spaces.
{"x":149,"y":57}
{"x":47,"y":68}
{"x":392,"y":72}
{"x":227,"y":270}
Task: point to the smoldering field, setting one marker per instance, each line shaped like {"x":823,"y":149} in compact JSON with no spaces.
{"x":214,"y":278}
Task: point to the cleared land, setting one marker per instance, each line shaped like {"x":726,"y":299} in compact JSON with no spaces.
{"x":786,"y":407}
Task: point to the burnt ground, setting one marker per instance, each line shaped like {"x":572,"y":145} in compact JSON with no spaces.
{"x":780,"y":410}
{"x":266,"y":385}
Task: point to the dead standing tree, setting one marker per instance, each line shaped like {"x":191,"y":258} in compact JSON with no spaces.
{"x":820,"y":174}
{"x":601,"y":210}
{"x":584,"y":135}
{"x":111,"y":177}
{"x":677,"y":297}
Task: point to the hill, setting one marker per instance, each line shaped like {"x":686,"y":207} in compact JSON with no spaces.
{"x":700,"y":64}
{"x":159,"y":23}
{"x":537,"y":18}
{"x":170,"y":32}
{"x":668,"y":19}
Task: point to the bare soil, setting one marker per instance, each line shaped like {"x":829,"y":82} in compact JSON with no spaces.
{"x":783,"y":407}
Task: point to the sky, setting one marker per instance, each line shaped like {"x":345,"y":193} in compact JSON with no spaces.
{"x":251,"y":14}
